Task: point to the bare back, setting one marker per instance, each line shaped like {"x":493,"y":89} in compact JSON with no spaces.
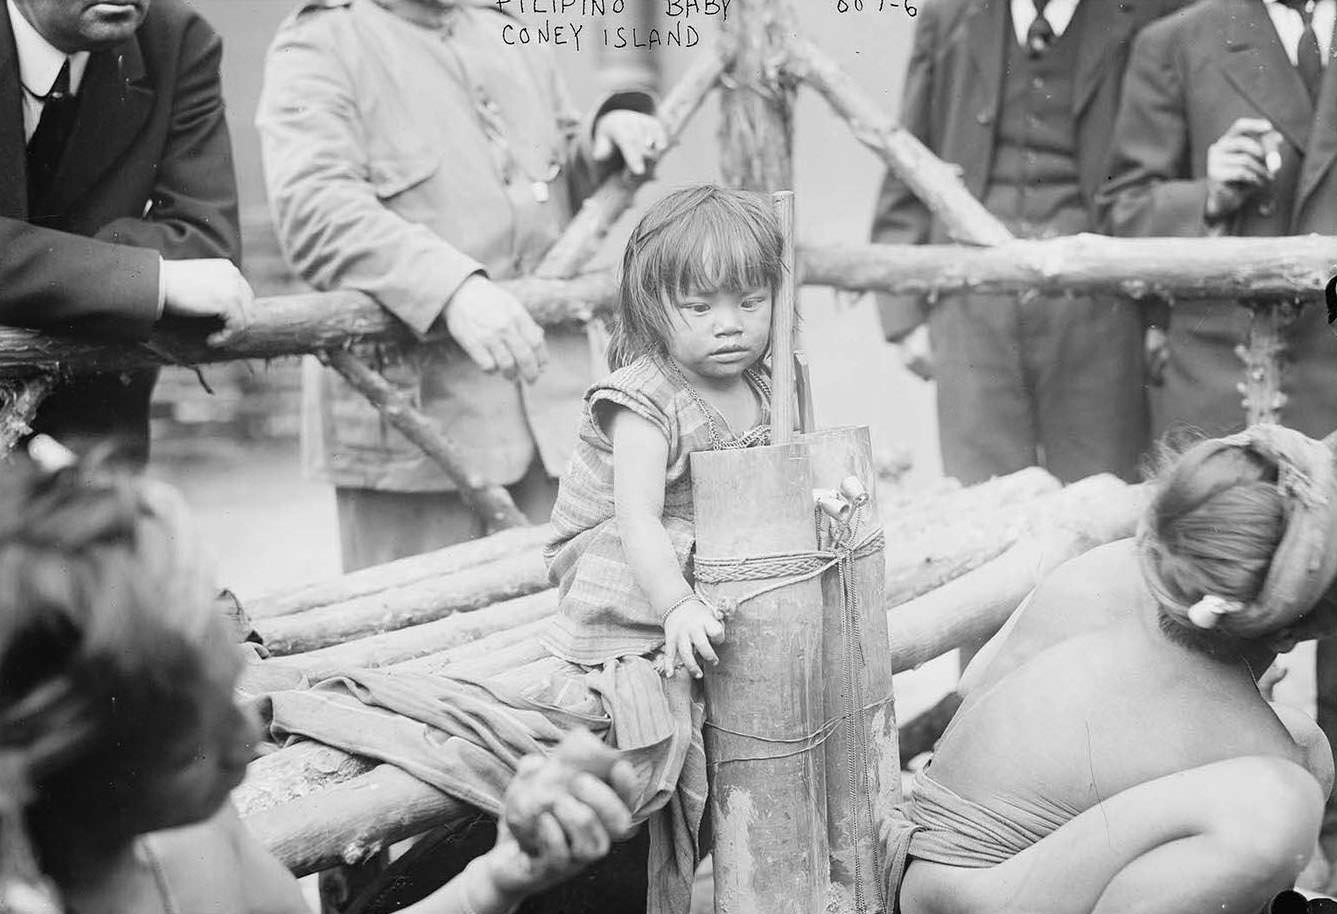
{"x":1086,"y":698}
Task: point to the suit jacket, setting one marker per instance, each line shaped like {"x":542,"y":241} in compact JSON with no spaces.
{"x":953,"y":89}
{"x":1190,"y":77}
{"x":147,"y":171}
{"x":386,"y":174}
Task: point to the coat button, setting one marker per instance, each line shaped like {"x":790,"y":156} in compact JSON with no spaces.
{"x":1266,"y":208}
{"x":984,"y":118}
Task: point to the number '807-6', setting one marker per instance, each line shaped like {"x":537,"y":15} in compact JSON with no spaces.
{"x":844,"y":6}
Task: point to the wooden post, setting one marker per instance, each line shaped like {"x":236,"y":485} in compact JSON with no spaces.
{"x":757,"y":105}
{"x":1263,"y":361}
{"x":783,"y":311}
{"x":863,"y":775}
{"x":764,"y":700}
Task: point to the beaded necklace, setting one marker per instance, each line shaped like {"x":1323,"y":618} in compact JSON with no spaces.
{"x":757,"y":435}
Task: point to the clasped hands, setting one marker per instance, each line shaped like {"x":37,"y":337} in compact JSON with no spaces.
{"x":492,"y":327}
{"x":560,"y":813}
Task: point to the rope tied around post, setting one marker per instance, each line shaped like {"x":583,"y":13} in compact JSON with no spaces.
{"x":838,"y":516}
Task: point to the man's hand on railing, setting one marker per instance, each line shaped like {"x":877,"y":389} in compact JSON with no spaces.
{"x":916,"y":352}
{"x":495,"y":330}
{"x":208,"y":288}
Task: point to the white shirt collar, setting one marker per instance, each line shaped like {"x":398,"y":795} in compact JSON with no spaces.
{"x":1058,"y":13}
{"x":39,"y":61}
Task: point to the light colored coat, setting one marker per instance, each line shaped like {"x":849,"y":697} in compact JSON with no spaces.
{"x":400,"y":159}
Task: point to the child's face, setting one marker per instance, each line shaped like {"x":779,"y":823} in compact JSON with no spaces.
{"x":716,"y":336}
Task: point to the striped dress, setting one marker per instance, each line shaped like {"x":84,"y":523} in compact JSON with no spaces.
{"x":602,"y":614}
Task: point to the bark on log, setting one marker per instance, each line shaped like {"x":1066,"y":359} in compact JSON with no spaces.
{"x":1226,"y":268}
{"x":756,"y":134}
{"x":400,"y":573}
{"x":972,"y":607}
{"x":350,"y":822}
{"x":1264,"y":358}
{"x":18,"y":404}
{"x":492,"y":503}
{"x":428,"y":638}
{"x":934,"y":182}
{"x":389,"y":610}
{"x":605,"y":206}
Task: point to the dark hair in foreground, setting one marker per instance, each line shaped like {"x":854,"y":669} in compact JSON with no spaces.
{"x":107,"y":641}
{"x":696,"y":240}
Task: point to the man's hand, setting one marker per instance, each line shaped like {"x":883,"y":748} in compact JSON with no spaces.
{"x":560,"y":813}
{"x":495,"y":330}
{"x":689,"y":630}
{"x":1238,"y":165}
{"x":208,"y":288}
{"x":639,"y":137}
{"x":916,"y":352}
{"x":1156,"y":351}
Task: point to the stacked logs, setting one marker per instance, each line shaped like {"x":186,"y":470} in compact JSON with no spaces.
{"x":958,"y":561}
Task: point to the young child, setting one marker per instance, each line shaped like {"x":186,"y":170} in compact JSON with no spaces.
{"x":117,"y":721}
{"x":692,"y":330}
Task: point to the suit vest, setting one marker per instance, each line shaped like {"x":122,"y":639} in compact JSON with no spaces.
{"x":1033,"y":181}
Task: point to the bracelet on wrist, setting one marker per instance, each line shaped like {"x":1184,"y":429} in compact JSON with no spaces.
{"x":688,"y":598}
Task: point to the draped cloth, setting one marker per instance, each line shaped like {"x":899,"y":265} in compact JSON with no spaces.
{"x":465,"y":735}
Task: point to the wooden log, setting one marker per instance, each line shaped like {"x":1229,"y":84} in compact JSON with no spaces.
{"x":401,"y":572}
{"x":1264,"y":361}
{"x":427,"y":638}
{"x":934,"y":182}
{"x":862,"y":756}
{"x":388,"y":610}
{"x":784,"y":313}
{"x":756,"y":134}
{"x":581,"y":239}
{"x":972,"y":607}
{"x":283,"y":325}
{"x":492,"y":503}
{"x":764,"y":700}
{"x":351,"y":822}
{"x":18,"y":404}
{"x":1186,"y":268}
{"x":1225,"y":268}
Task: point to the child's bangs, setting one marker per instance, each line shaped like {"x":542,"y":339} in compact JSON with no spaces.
{"x":713,"y":251}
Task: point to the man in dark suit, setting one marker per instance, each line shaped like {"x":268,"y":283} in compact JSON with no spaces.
{"x":1229,"y":126}
{"x":1021,"y":95}
{"x":117,"y":195}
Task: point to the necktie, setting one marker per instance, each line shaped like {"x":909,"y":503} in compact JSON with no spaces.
{"x":1308,"y":60}
{"x":1041,"y":34}
{"x":49,"y":139}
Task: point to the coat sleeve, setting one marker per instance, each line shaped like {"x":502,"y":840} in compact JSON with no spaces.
{"x":331,"y":225}
{"x":900,"y":216}
{"x":193,"y":210}
{"x":55,"y":279}
{"x":1151,"y":190}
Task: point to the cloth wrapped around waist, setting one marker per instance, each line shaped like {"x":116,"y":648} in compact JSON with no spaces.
{"x":939,"y":825}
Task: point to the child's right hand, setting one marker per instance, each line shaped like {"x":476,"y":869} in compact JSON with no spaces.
{"x":689,"y":630}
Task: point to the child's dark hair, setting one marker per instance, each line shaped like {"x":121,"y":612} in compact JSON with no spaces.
{"x":696,"y":240}
{"x":106,"y":628}
{"x":1212,"y":528}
